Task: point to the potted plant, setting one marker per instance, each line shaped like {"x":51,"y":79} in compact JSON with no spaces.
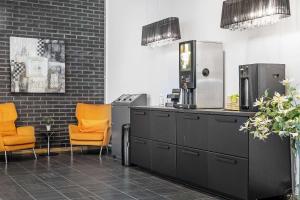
{"x":48,"y":121}
{"x":280,"y":115}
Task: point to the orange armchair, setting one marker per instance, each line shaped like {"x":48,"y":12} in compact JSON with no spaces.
{"x":12,"y":138}
{"x":94,"y":126}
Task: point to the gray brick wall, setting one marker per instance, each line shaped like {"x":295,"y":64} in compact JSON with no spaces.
{"x":81,"y":23}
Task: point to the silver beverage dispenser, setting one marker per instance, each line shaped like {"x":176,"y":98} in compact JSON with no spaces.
{"x":201,"y":74}
{"x":255,"y":79}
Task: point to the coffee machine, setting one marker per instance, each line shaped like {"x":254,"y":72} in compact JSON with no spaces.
{"x":255,"y":79}
{"x":201,"y":74}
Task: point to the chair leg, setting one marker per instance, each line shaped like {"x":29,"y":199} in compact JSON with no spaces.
{"x":5,"y":154}
{"x":100,"y":155}
{"x":106,"y":150}
{"x":71,"y":150}
{"x":34,"y":153}
{"x":81,"y":149}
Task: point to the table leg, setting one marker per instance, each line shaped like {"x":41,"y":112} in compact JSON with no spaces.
{"x":48,"y":145}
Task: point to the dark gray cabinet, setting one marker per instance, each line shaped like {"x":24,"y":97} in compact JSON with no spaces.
{"x":207,"y":150}
{"x":266,"y":176}
{"x":228,"y":175}
{"x":224,"y":135}
{"x":192,"y":130}
{"x":140,"y":152}
{"x":140,"y":125}
{"x":162,"y":126}
{"x":164,"y":158}
{"x":192,"y":166}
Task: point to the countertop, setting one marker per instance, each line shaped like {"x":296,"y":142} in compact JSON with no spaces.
{"x":201,"y":111}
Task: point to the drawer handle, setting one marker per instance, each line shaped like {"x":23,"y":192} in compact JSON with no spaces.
{"x":226,"y":160}
{"x":190,"y":153}
{"x":226,"y":120}
{"x":139,"y":142}
{"x":140,"y":113}
{"x":163,"y":115}
{"x":163,"y":147}
{"x":191,"y":117}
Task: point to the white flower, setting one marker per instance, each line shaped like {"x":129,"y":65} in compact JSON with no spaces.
{"x":294,"y":135}
{"x":286,"y":111}
{"x":282,"y":133}
{"x":279,"y":100}
{"x":259,"y":102}
{"x":245,"y":127}
{"x":286,"y":82}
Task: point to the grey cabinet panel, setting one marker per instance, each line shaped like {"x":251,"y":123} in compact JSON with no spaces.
{"x":228,"y":175}
{"x":192,"y":130}
{"x":140,"y":123}
{"x":224,"y":135}
{"x":192,"y":166}
{"x":163,"y":126}
{"x":140,"y":152}
{"x":272,"y":176}
{"x":164,"y":158}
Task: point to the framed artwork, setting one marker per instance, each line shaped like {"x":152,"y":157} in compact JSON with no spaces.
{"x":37,"y":65}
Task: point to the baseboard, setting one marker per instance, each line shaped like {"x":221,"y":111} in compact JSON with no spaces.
{"x":55,"y":149}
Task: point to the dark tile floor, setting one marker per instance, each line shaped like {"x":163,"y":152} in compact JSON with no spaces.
{"x":87,"y":178}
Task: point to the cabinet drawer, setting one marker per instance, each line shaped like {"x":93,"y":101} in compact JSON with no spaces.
{"x":163,"y":126}
{"x":192,"y":166}
{"x":140,"y":123}
{"x":140,"y":152}
{"x":228,"y":175}
{"x":224,"y":135}
{"x":164,"y":158}
{"x":192,"y":130}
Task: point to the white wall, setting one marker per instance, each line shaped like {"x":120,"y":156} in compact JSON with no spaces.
{"x":131,"y":68}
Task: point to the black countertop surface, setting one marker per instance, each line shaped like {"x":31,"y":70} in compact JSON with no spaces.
{"x":201,"y":111}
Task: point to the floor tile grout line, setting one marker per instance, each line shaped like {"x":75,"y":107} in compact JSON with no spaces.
{"x":104,"y":183}
{"x":92,"y":193}
{"x":112,"y":159}
{"x":53,"y":188}
{"x":144,"y":188}
{"x":78,"y":168}
{"x":24,"y":189}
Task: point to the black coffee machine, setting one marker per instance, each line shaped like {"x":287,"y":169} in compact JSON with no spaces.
{"x":255,"y":79}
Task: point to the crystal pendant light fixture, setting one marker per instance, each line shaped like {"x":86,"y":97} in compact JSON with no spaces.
{"x":246,"y":14}
{"x":161,"y":33}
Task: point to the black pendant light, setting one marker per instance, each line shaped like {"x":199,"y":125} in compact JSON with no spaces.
{"x":161,"y":33}
{"x":246,"y":14}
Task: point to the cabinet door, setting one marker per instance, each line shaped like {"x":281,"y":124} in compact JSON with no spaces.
{"x":163,"y":126}
{"x":164,"y":158}
{"x":140,"y":152}
{"x":192,"y":130}
{"x":192,"y":166}
{"x":228,"y":175}
{"x":140,"y":123}
{"x":224,"y":135}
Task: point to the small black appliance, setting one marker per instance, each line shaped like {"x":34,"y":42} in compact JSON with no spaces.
{"x":255,"y":79}
{"x":173,"y":98}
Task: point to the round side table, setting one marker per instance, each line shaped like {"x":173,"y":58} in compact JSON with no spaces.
{"x":49,"y":133}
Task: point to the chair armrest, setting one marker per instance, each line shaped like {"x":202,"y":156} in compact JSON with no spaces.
{"x":26,"y":131}
{"x":107,"y":135}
